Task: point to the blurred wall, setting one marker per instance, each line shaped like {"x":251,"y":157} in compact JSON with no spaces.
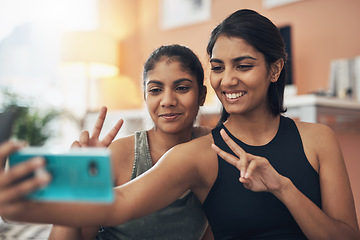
{"x":321,"y":31}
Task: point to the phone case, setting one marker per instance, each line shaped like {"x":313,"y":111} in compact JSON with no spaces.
{"x":78,"y":175}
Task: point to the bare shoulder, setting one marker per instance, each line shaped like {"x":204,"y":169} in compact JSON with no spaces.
{"x":122,"y":144}
{"x":315,"y":133}
{"x":200,"y":131}
{"x":122,"y":155}
{"x":319,"y":142}
{"x":196,"y":146}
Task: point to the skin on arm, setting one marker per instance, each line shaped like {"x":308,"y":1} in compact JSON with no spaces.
{"x":337,"y":219}
{"x":122,"y":151}
{"x":61,"y":232}
{"x":160,"y":180}
{"x":208,"y":235}
{"x":68,"y":233}
{"x":133,"y":199}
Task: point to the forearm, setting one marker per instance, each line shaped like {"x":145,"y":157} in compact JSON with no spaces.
{"x":70,"y":233}
{"x":208,"y":235}
{"x":314,"y":222}
{"x":132,"y":200}
{"x":89,"y":233}
{"x":61,"y":232}
{"x":65,"y":214}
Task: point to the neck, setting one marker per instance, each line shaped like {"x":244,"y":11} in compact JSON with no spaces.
{"x":254,"y":130}
{"x":160,"y":142}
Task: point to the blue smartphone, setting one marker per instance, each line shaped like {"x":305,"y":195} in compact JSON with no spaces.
{"x":78,"y":174}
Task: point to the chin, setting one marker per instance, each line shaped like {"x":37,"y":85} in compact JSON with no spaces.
{"x":172,"y":129}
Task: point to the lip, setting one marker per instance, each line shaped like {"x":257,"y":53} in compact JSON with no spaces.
{"x":170,"y":116}
{"x":233,"y":96}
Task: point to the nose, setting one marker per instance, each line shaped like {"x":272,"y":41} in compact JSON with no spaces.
{"x":168,"y":99}
{"x":229,"y":78}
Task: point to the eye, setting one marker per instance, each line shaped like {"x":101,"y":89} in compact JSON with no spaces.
{"x":155,"y":90}
{"x":244,"y":67}
{"x":217,"y":69}
{"x":182,"y":89}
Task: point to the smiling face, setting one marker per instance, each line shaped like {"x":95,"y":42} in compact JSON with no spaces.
{"x":172,"y":96}
{"x":239,"y":76}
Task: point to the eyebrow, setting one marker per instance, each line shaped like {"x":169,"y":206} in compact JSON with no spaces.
{"x":233,"y":60}
{"x":154,"y":82}
{"x":176,"y":81}
{"x":183,"y":80}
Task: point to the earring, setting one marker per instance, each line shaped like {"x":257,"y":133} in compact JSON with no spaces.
{"x":273,"y":78}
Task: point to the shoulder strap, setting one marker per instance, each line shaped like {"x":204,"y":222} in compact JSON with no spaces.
{"x":142,"y":161}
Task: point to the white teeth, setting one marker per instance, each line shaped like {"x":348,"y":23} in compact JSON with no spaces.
{"x":234,"y":95}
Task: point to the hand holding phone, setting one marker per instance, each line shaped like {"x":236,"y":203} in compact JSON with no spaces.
{"x":78,"y":174}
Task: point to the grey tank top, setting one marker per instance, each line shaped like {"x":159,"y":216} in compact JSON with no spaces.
{"x":183,"y":219}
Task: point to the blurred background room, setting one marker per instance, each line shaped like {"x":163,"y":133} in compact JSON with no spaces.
{"x":61,"y":60}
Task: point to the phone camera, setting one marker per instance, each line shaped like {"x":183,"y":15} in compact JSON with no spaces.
{"x":93,"y":168}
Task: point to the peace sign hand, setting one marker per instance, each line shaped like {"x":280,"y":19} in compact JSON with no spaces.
{"x":86,"y":141}
{"x":256,"y":173}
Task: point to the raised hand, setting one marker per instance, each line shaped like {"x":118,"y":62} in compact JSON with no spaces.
{"x":256,"y":173}
{"x":86,"y":140}
{"x":12,"y":190}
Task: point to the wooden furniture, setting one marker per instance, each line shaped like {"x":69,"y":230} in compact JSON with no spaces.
{"x":310,"y":108}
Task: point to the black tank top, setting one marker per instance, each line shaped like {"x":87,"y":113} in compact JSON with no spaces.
{"x":238,"y":213}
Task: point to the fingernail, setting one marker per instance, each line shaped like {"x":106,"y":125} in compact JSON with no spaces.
{"x":42,"y":175}
{"x":242,"y":173}
{"x":38,"y":161}
{"x":21,"y":143}
{"x":246,"y":175}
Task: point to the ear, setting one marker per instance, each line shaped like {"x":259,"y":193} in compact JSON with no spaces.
{"x":276,"y":69}
{"x":202,"y":95}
